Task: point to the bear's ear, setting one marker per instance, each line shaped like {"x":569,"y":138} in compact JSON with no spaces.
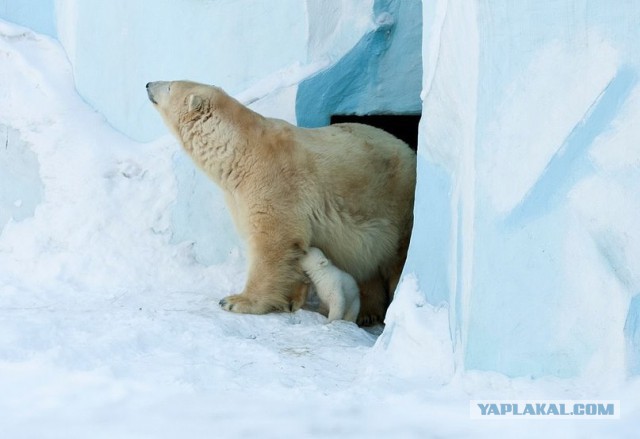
{"x":194,"y":102}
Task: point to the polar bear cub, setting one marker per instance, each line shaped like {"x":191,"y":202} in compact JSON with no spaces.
{"x":336,"y":289}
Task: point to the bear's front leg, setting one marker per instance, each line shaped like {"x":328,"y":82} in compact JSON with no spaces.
{"x":275,"y":283}
{"x":251,"y":302}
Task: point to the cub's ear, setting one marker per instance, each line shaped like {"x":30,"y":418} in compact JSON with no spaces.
{"x":194,"y":102}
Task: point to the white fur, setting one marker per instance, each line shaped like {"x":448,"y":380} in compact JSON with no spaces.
{"x":336,"y":289}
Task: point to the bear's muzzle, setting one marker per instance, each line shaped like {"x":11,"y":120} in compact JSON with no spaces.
{"x":158,"y":90}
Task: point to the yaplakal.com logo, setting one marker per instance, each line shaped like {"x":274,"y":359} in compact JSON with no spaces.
{"x":545,"y":409}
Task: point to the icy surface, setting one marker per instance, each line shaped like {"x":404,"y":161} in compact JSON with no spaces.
{"x":529,"y":185}
{"x":380,"y":74}
{"x":18,"y":165}
{"x":38,"y":15}
{"x":237,"y":48}
{"x":211,"y":42}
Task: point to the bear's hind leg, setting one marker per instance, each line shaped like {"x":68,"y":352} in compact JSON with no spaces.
{"x":373,"y":301}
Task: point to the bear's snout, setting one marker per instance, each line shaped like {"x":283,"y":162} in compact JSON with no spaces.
{"x":149,"y":93}
{"x":157,"y":90}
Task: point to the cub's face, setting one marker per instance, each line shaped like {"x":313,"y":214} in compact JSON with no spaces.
{"x":180,"y":101}
{"x":316,"y":258}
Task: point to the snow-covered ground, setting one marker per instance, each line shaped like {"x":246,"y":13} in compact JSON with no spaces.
{"x":108,"y":329}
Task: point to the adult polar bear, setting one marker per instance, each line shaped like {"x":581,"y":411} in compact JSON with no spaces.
{"x":347,"y":189}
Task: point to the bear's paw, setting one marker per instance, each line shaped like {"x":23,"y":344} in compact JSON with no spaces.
{"x":246,"y":304}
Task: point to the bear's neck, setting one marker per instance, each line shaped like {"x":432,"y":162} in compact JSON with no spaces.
{"x":217,"y":142}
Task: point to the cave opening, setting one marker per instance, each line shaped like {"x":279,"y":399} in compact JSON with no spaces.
{"x":403,"y":126}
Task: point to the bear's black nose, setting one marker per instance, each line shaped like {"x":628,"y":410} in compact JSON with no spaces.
{"x":150,"y":93}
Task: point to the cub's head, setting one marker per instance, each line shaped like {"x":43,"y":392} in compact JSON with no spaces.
{"x":180,"y":102}
{"x":314,"y":259}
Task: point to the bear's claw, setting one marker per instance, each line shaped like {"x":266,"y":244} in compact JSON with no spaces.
{"x":245,"y":304}
{"x":224,"y":304}
{"x":369,"y":320}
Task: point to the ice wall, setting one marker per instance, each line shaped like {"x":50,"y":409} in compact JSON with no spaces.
{"x":21,"y":188}
{"x":258,"y":51}
{"x":38,"y":15}
{"x":116,"y":47}
{"x":528,"y":194}
{"x":381,"y":74}
{"x":254,"y":50}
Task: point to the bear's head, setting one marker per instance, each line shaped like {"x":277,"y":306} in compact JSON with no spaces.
{"x":180,"y":102}
{"x":212,"y":127}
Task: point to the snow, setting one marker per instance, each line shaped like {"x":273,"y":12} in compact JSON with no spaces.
{"x":34,"y":14}
{"x":155,"y":40}
{"x":526,"y":205}
{"x":424,"y":332}
{"x":109,"y":323}
{"x":380,"y":74}
{"x":520,"y":149}
{"x":235,"y":50}
{"x":150,"y":40}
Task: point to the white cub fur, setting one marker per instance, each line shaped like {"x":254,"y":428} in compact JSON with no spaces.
{"x":336,"y":289}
